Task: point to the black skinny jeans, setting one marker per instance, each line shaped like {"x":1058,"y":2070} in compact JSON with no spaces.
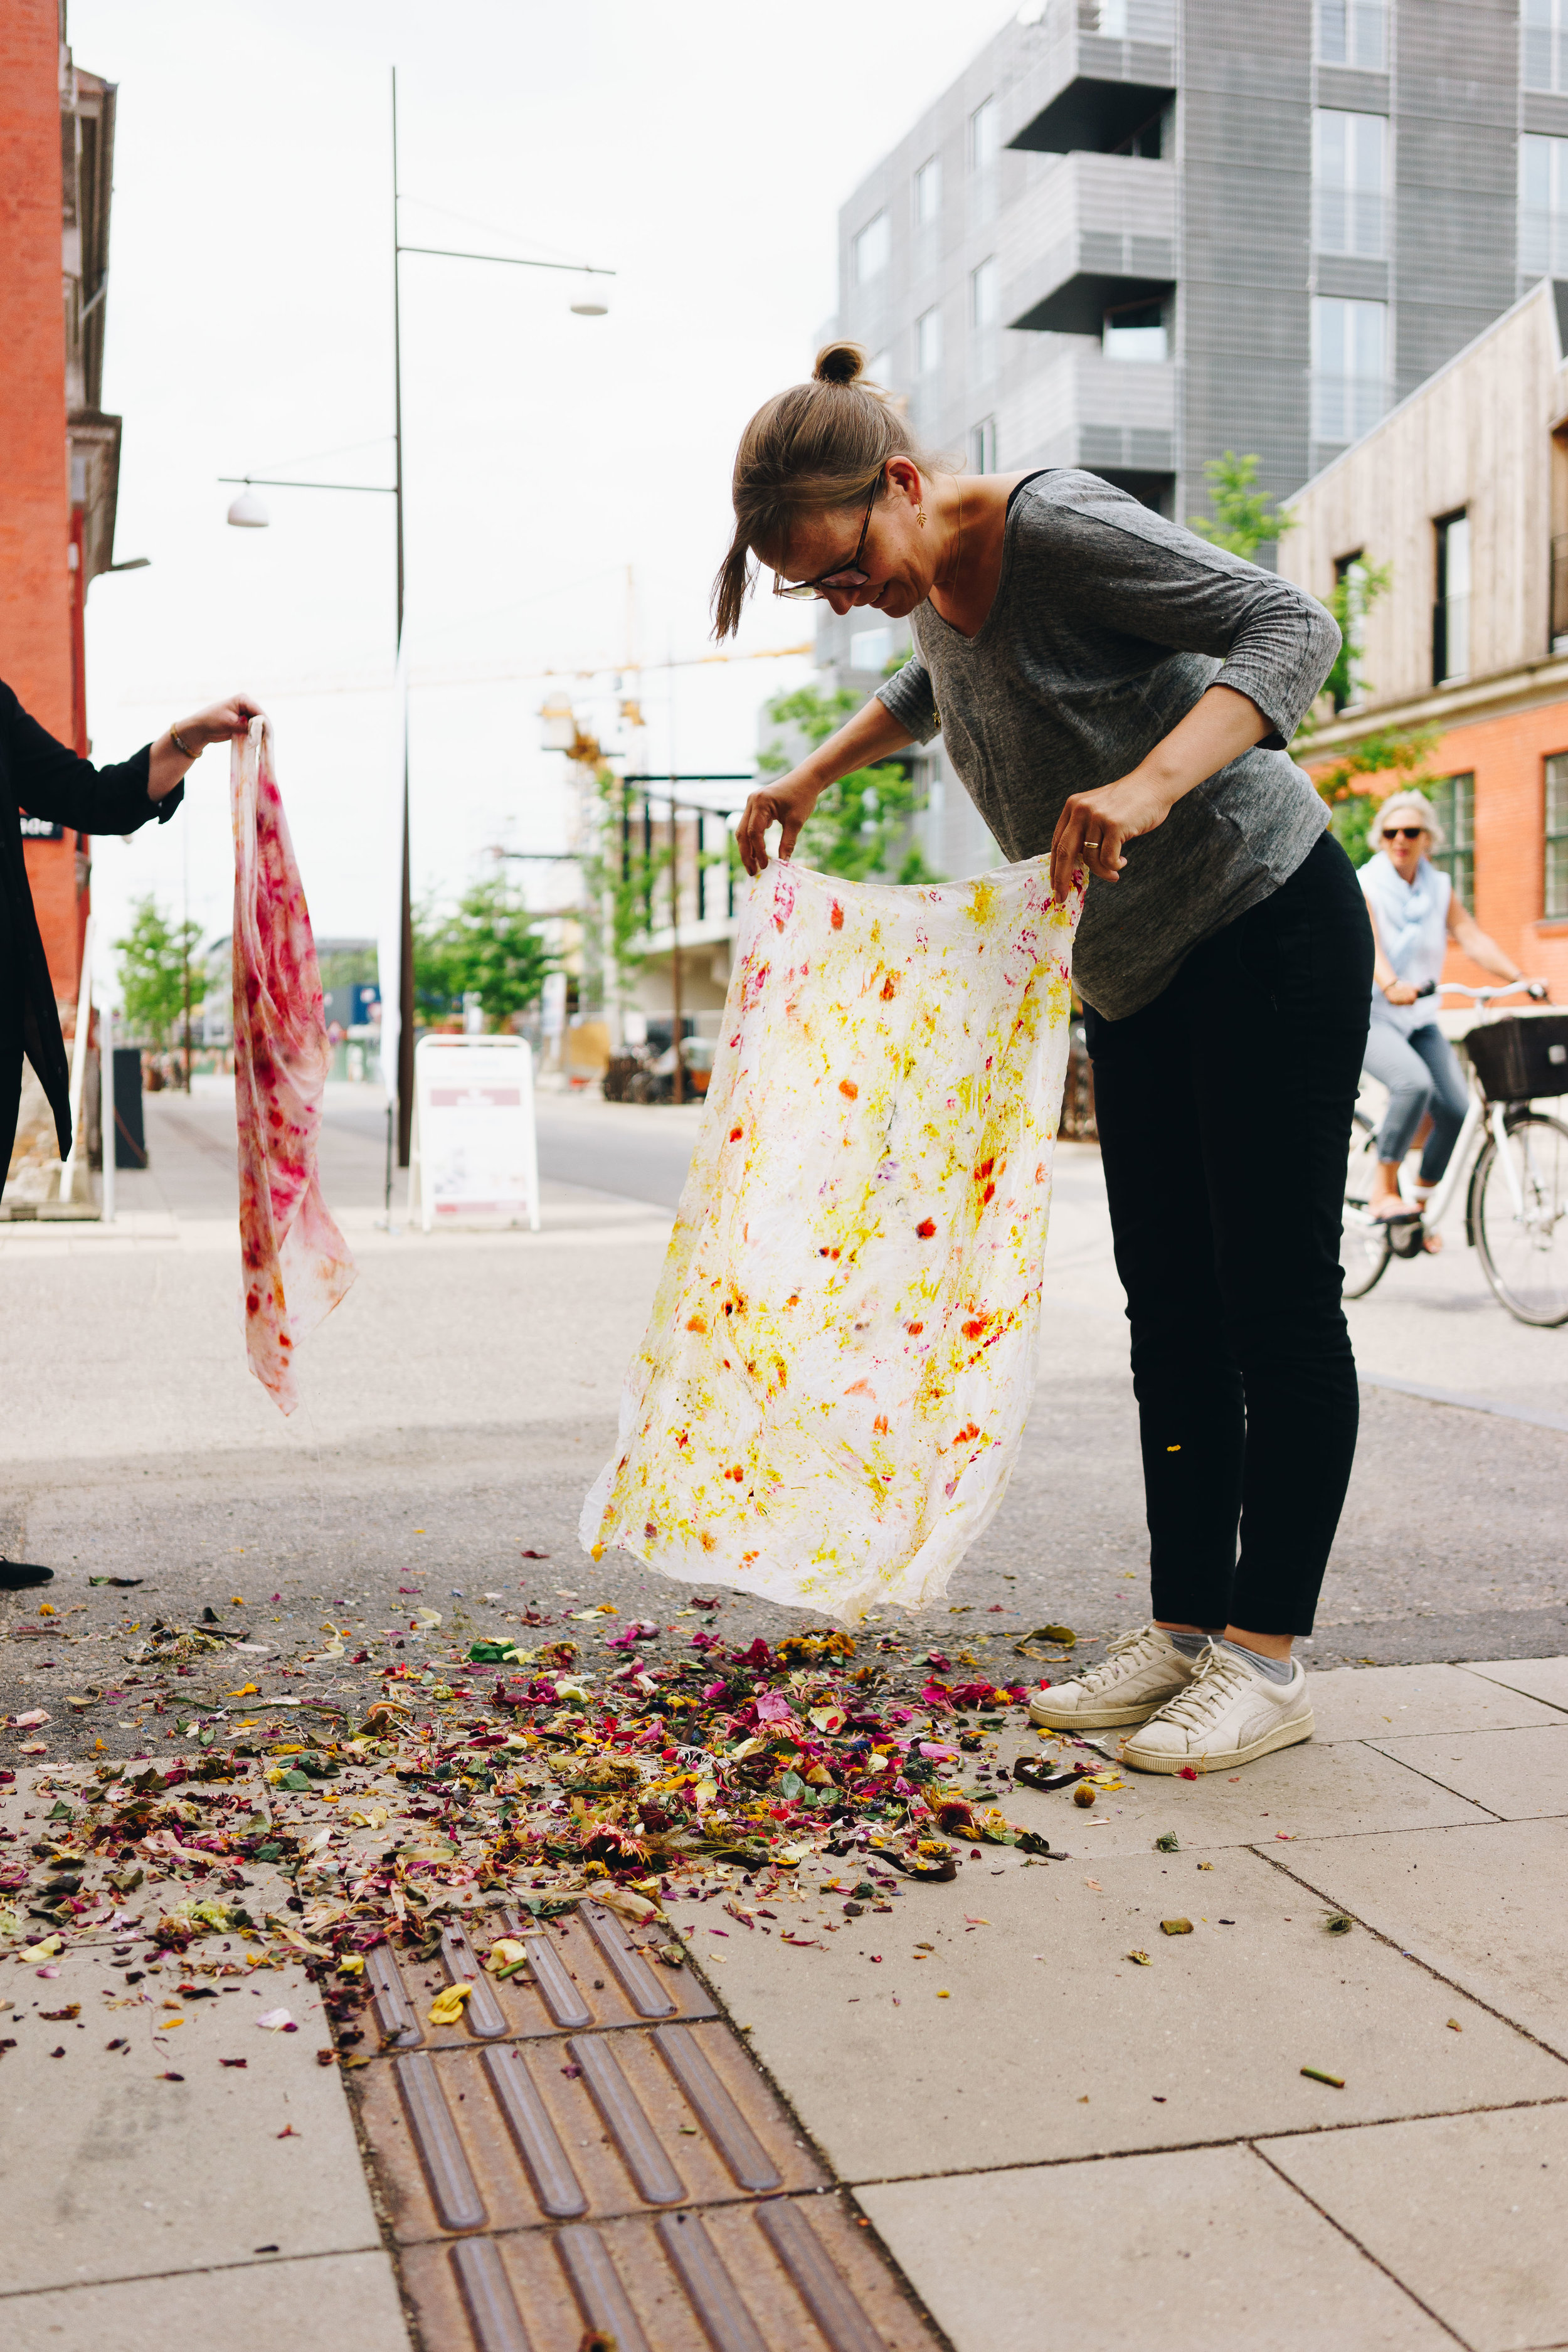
{"x":1225,"y":1113}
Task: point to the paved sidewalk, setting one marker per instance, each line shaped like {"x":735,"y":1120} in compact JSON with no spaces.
{"x":1054,"y":2116}
{"x":1059,"y":2143}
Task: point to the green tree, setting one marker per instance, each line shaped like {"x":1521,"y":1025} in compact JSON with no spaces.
{"x":860,"y":823}
{"x":1244,"y":516}
{"x":488,"y":944}
{"x":1400,"y":754}
{"x":156,"y":967}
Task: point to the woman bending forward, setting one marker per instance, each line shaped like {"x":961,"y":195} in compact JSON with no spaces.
{"x":1069,"y":637}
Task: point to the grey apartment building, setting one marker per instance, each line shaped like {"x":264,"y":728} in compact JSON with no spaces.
{"x":1136,"y":233}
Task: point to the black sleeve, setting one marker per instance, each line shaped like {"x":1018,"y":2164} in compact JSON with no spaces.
{"x":52,"y":782}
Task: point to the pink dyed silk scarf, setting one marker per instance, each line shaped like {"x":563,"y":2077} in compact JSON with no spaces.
{"x":296,"y":1263}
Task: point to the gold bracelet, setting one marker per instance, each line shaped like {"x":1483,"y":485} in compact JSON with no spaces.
{"x":184,"y":750}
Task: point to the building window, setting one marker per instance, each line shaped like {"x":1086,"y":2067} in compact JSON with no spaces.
{"x":871,"y":250}
{"x":1454,"y":799}
{"x":1544,"y":51}
{"x":928,"y":193}
{"x":1350,"y":575}
{"x":1350,"y":175}
{"x":871,"y":649}
{"x":982,"y":448}
{"x":983,"y":292}
{"x":1556,"y":901}
{"x":1543,"y":207}
{"x":881,"y":369}
{"x":1451,"y":609}
{"x":1353,"y":33}
{"x":1350,"y":389}
{"x":928,"y":341}
{"x":1135,"y":330}
{"x":985,"y":135}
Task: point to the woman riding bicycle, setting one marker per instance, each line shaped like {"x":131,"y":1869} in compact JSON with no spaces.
{"x":1415,"y":911}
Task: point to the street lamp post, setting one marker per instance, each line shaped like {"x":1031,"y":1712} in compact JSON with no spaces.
{"x":249,"y":513}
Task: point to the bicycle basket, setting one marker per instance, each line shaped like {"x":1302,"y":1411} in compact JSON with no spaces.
{"x":1517,"y":1059}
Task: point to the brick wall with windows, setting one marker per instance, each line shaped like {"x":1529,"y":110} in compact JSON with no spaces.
{"x":1516,"y":817}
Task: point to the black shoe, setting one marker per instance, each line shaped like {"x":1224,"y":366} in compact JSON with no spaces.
{"x":15,"y":1574}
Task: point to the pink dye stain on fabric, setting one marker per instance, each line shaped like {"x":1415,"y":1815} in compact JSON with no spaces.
{"x":295,"y":1262}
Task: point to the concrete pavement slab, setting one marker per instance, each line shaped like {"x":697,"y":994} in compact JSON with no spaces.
{"x":1206,"y":2247}
{"x":1465,"y":2210}
{"x":1543,"y":1679}
{"x":1053,"y":2042}
{"x":1388,"y":1702}
{"x":1480,"y":1905}
{"x":1520,"y":1775}
{"x":1342,"y":1789}
{"x":322,"y":2305}
{"x":155,"y":2156}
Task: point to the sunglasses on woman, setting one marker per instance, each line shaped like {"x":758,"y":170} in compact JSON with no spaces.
{"x":1403,"y":832}
{"x":841,"y":575}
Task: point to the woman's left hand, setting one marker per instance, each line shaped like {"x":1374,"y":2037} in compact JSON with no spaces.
{"x":1094,"y":828}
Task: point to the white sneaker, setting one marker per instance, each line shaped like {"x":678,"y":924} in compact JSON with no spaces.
{"x":1226,"y":1715}
{"x":1138,"y":1673}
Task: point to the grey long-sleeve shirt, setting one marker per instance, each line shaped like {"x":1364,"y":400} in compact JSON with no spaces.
{"x":1108,"y":622}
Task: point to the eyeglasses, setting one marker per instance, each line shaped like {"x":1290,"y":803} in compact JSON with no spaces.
{"x":840,"y":576}
{"x":1403,"y":832}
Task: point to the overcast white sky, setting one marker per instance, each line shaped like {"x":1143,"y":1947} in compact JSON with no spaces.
{"x":701,"y":148}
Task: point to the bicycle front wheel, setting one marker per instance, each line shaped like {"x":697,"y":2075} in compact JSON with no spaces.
{"x":1519,"y":1215}
{"x":1366,"y":1246}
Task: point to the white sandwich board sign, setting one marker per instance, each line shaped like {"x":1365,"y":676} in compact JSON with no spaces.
{"x":474,"y":1151}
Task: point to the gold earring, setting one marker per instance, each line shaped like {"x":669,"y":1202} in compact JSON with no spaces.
{"x":923,"y":513}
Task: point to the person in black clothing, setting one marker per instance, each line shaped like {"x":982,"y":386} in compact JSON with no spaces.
{"x":38,"y":777}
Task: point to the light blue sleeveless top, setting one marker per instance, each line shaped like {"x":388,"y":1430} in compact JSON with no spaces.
{"x":1413,"y":925}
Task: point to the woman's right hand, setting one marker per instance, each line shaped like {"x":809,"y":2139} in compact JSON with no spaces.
{"x":1401,"y":991}
{"x":787,"y":804}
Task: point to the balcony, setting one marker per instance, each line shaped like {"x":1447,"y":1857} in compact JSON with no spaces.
{"x":1110,"y":415}
{"x":1097,"y":232}
{"x":1102,"y":68}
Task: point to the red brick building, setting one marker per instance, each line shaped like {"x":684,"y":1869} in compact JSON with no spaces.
{"x":1462,"y":492}
{"x":59,"y":454}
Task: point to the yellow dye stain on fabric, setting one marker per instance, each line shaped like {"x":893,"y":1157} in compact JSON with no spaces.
{"x":828,"y":1399}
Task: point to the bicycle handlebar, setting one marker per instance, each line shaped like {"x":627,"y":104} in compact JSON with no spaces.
{"x":1535,"y":989}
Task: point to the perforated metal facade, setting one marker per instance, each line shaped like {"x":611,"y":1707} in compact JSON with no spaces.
{"x":1151,"y":163}
{"x":1182,"y":174}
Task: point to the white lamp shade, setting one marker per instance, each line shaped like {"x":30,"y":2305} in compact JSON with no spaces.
{"x":248,"y":512}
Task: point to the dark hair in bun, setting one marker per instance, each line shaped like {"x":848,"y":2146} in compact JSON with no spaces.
{"x":818,"y":447}
{"x":840,"y":363}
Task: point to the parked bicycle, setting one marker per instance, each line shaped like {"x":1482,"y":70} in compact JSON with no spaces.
{"x":1516,"y":1201}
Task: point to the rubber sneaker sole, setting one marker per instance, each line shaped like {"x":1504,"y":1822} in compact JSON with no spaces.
{"x":1284,"y":1734}
{"x":1096,"y":1718}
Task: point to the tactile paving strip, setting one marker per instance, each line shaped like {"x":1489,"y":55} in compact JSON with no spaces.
{"x":591,"y":2160}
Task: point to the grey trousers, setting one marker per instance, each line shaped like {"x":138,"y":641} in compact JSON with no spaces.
{"x":1422,"y":1074}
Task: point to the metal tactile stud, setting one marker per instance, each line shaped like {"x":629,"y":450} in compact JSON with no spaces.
{"x":709,"y":2289}
{"x":459,"y":2205}
{"x":487,"y":2297}
{"x":596,"y":2283}
{"x":555,"y":2185}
